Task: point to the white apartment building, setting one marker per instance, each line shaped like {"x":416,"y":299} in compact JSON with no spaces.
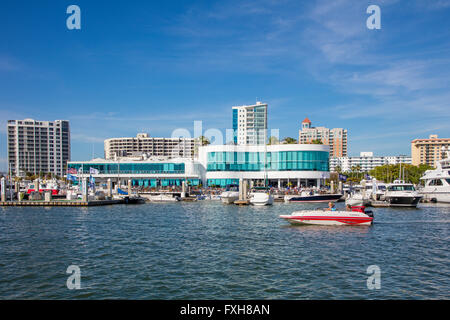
{"x":366,"y":161}
{"x":38,"y":146}
{"x":153,"y":147}
{"x":250,"y":124}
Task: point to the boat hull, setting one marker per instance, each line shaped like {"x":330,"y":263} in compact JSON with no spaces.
{"x":229,"y":197}
{"x":160,"y":198}
{"x":403,"y":201}
{"x":315,"y":198}
{"x":443,"y":197}
{"x":229,"y":200}
{"x":261,"y":199}
{"x":329,"y":218}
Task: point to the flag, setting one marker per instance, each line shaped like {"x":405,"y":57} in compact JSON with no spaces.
{"x":342,"y":177}
{"x":71,"y":177}
{"x":91,"y":182}
{"x":93,"y":171}
{"x":72,"y":170}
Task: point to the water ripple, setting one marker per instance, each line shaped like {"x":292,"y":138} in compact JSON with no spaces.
{"x":206,"y":250}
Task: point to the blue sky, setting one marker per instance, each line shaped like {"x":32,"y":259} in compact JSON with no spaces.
{"x":155,"y":66}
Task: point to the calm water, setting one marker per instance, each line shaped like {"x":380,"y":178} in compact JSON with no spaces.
{"x":207,"y":250}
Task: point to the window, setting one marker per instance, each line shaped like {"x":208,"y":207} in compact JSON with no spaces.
{"x":402,"y":188}
{"x":436,"y":182}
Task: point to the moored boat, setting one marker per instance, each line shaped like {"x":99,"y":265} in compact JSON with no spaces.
{"x":160,"y":197}
{"x":229,"y":197}
{"x":357,"y":199}
{"x":437,"y":181}
{"x":402,"y":194}
{"x":260,"y":197}
{"x":308,"y":197}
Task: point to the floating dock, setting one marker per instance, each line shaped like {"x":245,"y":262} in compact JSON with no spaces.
{"x":242,"y":202}
{"x":379,"y":204}
{"x":60,"y":203}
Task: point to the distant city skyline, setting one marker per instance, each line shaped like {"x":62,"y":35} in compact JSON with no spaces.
{"x":158,"y":66}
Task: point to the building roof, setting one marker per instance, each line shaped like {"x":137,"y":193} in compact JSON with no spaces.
{"x":306,"y":120}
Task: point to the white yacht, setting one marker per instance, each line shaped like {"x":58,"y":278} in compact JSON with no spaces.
{"x":402,"y":194}
{"x":363,"y":193}
{"x":230,"y":195}
{"x":375,"y":189}
{"x":437,"y":182}
{"x":261,"y":197}
{"x":161,"y":197}
{"x":357,"y":198}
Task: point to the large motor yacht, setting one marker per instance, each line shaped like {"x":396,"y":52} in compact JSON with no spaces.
{"x":402,"y":194}
{"x":437,"y":182}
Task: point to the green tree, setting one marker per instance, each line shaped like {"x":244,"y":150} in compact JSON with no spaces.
{"x":390,"y":172}
{"x":316,"y":141}
{"x":289,"y":140}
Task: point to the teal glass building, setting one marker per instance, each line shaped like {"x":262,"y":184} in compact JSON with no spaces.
{"x":281,"y":165}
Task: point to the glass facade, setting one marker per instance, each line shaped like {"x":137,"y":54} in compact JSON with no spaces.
{"x":222,"y":182}
{"x":153,"y":183}
{"x":130,"y":168}
{"x":235,"y":125}
{"x":275,"y":161}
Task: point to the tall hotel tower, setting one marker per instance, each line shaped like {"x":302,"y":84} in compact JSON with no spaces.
{"x":38,"y":146}
{"x":250,"y":124}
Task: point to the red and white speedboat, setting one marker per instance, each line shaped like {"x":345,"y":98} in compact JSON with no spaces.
{"x":356,"y":217}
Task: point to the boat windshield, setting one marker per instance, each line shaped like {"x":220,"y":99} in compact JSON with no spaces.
{"x":402,"y":188}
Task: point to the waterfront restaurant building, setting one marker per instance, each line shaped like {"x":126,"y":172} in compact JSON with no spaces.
{"x":219,"y":165}
{"x":285,"y":164}
{"x":142,"y":171}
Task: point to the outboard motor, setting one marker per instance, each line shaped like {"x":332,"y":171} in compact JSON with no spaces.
{"x":369,"y":213}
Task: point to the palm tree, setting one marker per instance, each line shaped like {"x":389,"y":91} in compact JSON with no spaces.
{"x":203,"y":141}
{"x":273,"y":140}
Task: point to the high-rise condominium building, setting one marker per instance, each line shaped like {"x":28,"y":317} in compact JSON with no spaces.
{"x":250,"y":124}
{"x":38,"y":146}
{"x":336,"y":138}
{"x":158,"y":147}
{"x":428,"y":151}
